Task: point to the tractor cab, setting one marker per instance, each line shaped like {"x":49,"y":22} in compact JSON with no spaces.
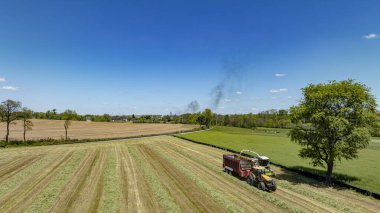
{"x":263,"y":161}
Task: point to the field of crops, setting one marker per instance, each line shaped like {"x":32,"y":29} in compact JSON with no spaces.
{"x":155,"y":174}
{"x":90,"y":130}
{"x":363,"y":172}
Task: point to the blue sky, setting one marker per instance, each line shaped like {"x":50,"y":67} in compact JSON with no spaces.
{"x":143,"y":57}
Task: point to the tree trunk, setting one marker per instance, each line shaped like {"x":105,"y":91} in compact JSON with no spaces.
{"x":24,"y":130}
{"x":330,"y":166}
{"x":66,"y":133}
{"x":7,"y":135}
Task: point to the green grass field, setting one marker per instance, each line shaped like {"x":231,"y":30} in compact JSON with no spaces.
{"x":362,"y":172}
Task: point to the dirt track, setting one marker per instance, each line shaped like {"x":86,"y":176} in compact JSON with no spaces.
{"x":155,"y":174}
{"x":89,"y":130}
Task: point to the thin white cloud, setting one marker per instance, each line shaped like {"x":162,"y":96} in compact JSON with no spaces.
{"x":238,"y":92}
{"x":2,"y":80}
{"x":9,"y":88}
{"x":280,"y":74}
{"x":227,"y":100}
{"x":278,"y":90}
{"x":371,"y":36}
{"x":254,"y":108}
{"x":221,"y":107}
{"x":290,"y":97}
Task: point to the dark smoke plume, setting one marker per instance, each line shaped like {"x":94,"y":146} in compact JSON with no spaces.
{"x":193,"y":107}
{"x":230,"y":82}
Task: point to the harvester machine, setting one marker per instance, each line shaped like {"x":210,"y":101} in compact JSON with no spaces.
{"x":260,"y":160}
{"x":244,"y":167}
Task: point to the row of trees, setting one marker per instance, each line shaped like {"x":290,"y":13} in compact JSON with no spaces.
{"x":54,"y":115}
{"x":271,"y":119}
{"x":11,"y":110}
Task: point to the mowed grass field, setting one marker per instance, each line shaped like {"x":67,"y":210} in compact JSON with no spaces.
{"x":363,"y":172}
{"x":90,"y":130}
{"x":155,"y":174}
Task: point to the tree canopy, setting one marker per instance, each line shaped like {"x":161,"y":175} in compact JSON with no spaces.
{"x":333,"y":121}
{"x":8,"y":113}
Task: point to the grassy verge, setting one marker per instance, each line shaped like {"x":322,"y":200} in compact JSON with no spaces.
{"x":362,"y":172}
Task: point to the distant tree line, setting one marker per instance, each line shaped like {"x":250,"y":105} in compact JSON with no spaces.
{"x":270,"y":118}
{"x":54,"y":115}
{"x":11,"y":110}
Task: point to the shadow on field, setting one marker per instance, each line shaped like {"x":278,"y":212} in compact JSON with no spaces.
{"x":311,"y":176}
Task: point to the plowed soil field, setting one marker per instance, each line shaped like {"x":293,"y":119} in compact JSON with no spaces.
{"x":155,"y":174}
{"x":89,"y":130}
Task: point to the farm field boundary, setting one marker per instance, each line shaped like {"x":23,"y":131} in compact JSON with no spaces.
{"x":82,"y":130}
{"x":304,"y":173}
{"x":60,"y":142}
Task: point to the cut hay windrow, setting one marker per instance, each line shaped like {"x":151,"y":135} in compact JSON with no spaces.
{"x":184,"y":190}
{"x":46,"y":199}
{"x":22,"y":196}
{"x":111,"y":191}
{"x":214,"y":193}
{"x":164,"y":198}
{"x":21,"y":176}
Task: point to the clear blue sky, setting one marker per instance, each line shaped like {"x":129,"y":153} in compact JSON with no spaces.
{"x":142,"y":57}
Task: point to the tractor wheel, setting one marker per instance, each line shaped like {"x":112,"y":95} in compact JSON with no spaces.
{"x":274,"y":186}
{"x":251,"y":178}
{"x":261,"y":186}
{"x":249,"y":181}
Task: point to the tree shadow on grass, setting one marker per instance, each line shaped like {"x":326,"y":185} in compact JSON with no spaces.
{"x":311,"y":176}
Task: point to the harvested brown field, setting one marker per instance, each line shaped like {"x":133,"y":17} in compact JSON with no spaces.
{"x":90,"y":130}
{"x":155,"y":174}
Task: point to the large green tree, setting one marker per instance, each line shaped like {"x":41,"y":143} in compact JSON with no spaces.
{"x":8,"y":113}
{"x":332,"y":122}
